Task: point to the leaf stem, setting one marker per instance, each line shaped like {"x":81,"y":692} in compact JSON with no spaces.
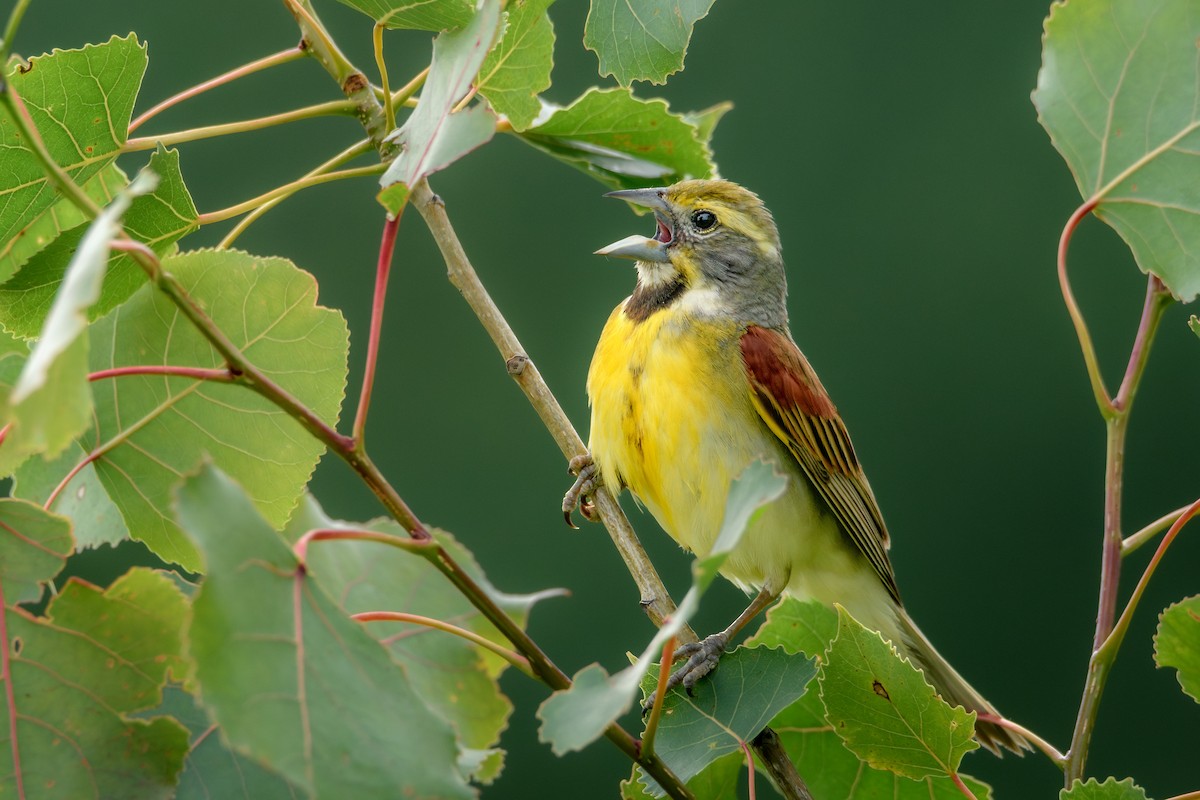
{"x":1081,"y":330}
{"x":962,"y":787}
{"x":331,"y":108}
{"x":389,"y":109}
{"x":275,"y":59}
{"x":382,"y":268}
{"x":1136,"y":540}
{"x":349,"y":154}
{"x":10,"y":33}
{"x":1116,"y":419}
{"x":517,"y":660}
{"x":660,"y":695}
{"x":287,"y":190}
{"x":56,"y":174}
{"x":1048,"y":749}
{"x":750,"y":793}
{"x":199,"y":373}
{"x":10,"y":695}
{"x":404,"y":94}
{"x":300,"y":548}
{"x":1113,"y":642}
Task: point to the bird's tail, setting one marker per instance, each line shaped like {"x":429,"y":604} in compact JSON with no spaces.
{"x":954,"y":689}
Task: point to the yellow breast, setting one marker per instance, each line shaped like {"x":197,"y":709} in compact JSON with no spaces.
{"x":670,"y":414}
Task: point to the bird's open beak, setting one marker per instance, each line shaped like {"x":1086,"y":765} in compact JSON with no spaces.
{"x":644,"y":248}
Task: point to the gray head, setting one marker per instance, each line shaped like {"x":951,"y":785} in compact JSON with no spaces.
{"x":715,"y":251}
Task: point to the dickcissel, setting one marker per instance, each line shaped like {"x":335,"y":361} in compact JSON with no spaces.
{"x":695,"y":376}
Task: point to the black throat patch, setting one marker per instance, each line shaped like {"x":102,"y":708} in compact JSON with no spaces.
{"x":648,"y":299}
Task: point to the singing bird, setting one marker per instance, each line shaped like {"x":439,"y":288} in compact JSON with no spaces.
{"x":695,"y":376}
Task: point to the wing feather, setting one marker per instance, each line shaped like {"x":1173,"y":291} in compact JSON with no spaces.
{"x":793,"y":403}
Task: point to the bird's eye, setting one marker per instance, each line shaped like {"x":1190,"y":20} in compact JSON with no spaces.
{"x":704,"y":219}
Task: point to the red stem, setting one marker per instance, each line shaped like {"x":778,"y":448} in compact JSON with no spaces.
{"x":749,"y":768}
{"x":962,"y":787}
{"x":10,"y":696}
{"x":300,"y":548}
{"x":75,"y":470}
{"x":199,"y":373}
{"x":382,"y":268}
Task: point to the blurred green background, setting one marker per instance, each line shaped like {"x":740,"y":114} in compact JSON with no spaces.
{"x":920,"y":205}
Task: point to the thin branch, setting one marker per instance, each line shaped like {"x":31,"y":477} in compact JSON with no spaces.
{"x":1113,"y":642}
{"x":1116,"y":419}
{"x":654,"y":596}
{"x":656,"y":601}
{"x":331,"y":108}
{"x":287,"y":190}
{"x":1135,"y":540}
{"x":382,"y":269}
{"x":349,"y":154}
{"x":354,"y":84}
{"x":517,"y":660}
{"x":275,"y":59}
{"x":781,"y":769}
{"x":33,"y":138}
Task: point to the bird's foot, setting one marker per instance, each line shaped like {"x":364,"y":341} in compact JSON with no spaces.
{"x":579,"y":495}
{"x":702,"y":658}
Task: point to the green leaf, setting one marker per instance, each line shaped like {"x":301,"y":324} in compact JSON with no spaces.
{"x":625,"y":142}
{"x":1111,"y":789}
{"x":819,"y":754}
{"x":642,"y":40}
{"x":13,"y":354}
{"x":518,"y":67}
{"x":1194,"y":324}
{"x":1117,"y":93}
{"x":33,"y":550}
{"x":750,"y":686}
{"x":424,"y":15}
{"x":96,"y":519}
{"x":719,"y":781}
{"x":60,"y":217}
{"x":51,"y":402}
{"x":456,"y":678}
{"x":212,"y":771}
{"x":75,"y":673}
{"x":158,"y":428}
{"x":1177,"y":643}
{"x":296,"y":684}
{"x":157,"y":219}
{"x":573,"y":718}
{"x":885,"y":710}
{"x":435,"y":135}
{"x":80,"y":101}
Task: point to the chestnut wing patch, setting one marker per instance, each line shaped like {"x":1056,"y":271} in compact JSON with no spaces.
{"x":791,"y":400}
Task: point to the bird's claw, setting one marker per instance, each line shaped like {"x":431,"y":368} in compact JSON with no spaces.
{"x":702,"y":658}
{"x":579,"y":495}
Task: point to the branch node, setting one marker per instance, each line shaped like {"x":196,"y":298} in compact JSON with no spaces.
{"x":516,"y":364}
{"x":356,"y":82}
